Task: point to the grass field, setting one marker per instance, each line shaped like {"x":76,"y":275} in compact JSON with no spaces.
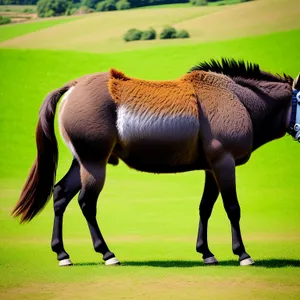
{"x":17,"y":8}
{"x":8,"y":32}
{"x":149,"y":221}
{"x":103,"y":32}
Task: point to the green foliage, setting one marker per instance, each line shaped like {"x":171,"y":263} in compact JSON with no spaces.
{"x":122,"y":5}
{"x":168,"y":33}
{"x":139,"y":3}
{"x":4,"y":20}
{"x":50,"y":8}
{"x":148,"y":34}
{"x":199,"y":2}
{"x":28,"y":10}
{"x":106,"y":5}
{"x":18,"y":2}
{"x":88,"y":3}
{"x":132,"y":34}
{"x":182,"y":34}
{"x":79,"y":11}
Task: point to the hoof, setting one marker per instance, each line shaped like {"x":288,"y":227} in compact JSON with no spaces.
{"x":65,"y":262}
{"x":112,"y":262}
{"x":210,"y":261}
{"x":247,"y":262}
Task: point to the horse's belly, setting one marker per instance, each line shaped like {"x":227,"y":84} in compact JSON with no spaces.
{"x":156,"y":139}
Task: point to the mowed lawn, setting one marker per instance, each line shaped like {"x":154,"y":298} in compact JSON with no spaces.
{"x":149,"y":221}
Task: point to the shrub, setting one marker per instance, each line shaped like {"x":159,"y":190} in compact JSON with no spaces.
{"x":106,"y":5}
{"x":50,"y":8}
{"x":4,"y":20}
{"x":182,"y":34}
{"x":122,"y":5}
{"x":132,"y":34}
{"x":148,"y":34}
{"x":79,"y":11}
{"x":28,"y":10}
{"x":168,"y":33}
{"x":199,"y":2}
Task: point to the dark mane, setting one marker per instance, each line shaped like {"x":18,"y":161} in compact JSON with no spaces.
{"x":240,"y":68}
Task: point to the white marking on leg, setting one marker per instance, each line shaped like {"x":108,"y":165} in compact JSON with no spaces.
{"x":210,"y":260}
{"x":65,"y":262}
{"x":112,"y":261}
{"x":247,"y":262}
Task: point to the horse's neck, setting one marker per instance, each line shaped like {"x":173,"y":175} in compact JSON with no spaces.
{"x":266,"y":103}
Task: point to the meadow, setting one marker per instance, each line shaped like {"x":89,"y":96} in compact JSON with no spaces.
{"x":149,"y":221}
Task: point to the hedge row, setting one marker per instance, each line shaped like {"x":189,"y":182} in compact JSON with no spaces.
{"x":168,"y":32}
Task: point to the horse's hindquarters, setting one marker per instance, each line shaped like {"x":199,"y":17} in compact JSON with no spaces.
{"x":88,"y":119}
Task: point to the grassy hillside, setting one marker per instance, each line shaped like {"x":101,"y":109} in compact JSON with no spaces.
{"x":8,"y":32}
{"x":149,"y":221}
{"x":103,"y":32}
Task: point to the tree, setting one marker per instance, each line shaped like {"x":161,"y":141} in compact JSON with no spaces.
{"x":168,"y":33}
{"x":148,"y":34}
{"x":122,"y":5}
{"x":182,"y":34}
{"x":50,"y":8}
{"x":132,"y":34}
{"x":106,"y":5}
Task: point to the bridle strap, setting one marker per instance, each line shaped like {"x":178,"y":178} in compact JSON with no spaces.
{"x":294,"y":125}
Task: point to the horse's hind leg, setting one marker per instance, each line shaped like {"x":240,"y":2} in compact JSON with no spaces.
{"x":63,"y":193}
{"x":209,"y":197}
{"x":92,"y":178}
{"x":223,"y":167}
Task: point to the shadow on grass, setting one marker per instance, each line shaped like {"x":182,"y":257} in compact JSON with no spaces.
{"x":272,"y":263}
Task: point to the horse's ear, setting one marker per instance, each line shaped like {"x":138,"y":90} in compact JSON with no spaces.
{"x":296,"y":83}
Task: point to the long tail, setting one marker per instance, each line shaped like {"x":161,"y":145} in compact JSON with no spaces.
{"x":39,"y":184}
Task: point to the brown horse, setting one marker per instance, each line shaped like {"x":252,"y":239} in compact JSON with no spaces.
{"x":211,"y":119}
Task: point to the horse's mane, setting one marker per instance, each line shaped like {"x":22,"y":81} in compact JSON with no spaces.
{"x":240,"y":68}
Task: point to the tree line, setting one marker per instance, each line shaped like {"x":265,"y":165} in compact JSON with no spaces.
{"x":93,"y":3}
{"x":49,"y":8}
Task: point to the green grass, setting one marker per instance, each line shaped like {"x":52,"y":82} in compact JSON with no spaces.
{"x":149,"y":221}
{"x":103,"y":32}
{"x":17,"y":8}
{"x":13,"y":30}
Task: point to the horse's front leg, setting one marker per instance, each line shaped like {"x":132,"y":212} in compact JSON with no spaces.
{"x":223,"y":167}
{"x":209,"y":197}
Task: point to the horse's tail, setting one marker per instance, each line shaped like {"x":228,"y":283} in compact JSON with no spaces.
{"x":39,"y":184}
